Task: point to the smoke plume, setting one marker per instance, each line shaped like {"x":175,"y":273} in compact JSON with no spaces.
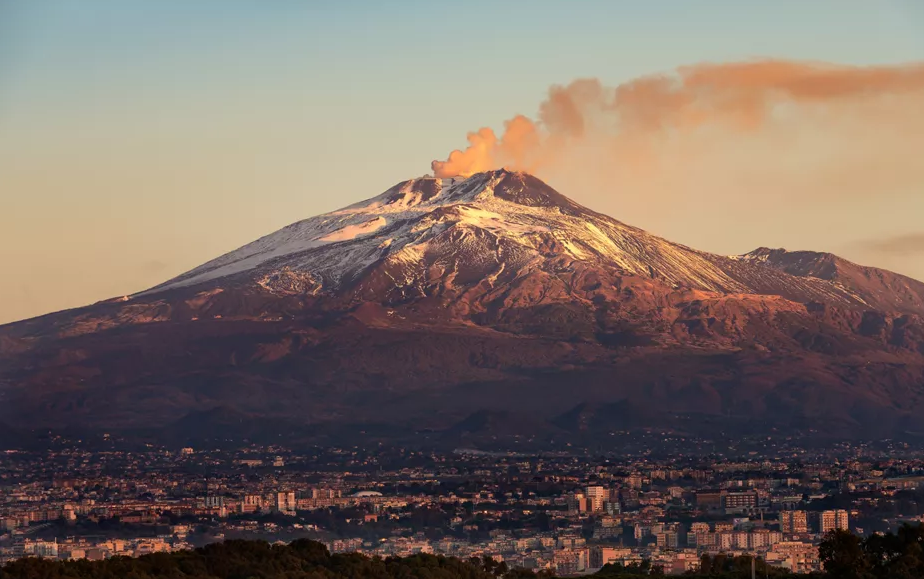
{"x":632,"y":125}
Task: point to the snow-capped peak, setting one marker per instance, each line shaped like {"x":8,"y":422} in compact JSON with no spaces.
{"x":493,"y":227}
{"x":336,"y":245}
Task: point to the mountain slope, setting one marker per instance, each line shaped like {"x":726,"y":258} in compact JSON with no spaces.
{"x":442,"y":300}
{"x":879,"y":288}
{"x":492,"y":220}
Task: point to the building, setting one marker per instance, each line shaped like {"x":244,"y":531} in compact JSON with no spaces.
{"x":213,"y":502}
{"x":794,"y":522}
{"x":571,"y":561}
{"x":607,"y":528}
{"x":763,"y":538}
{"x":739,"y":500}
{"x":699,"y":527}
{"x":708,"y":500}
{"x":251,"y":504}
{"x":834,"y":520}
{"x":285,"y":502}
{"x":697,"y":535}
{"x":741,"y":540}
{"x":635,"y":481}
{"x":796,"y":556}
{"x":41,"y":549}
{"x":667,"y":540}
{"x":596,"y":497}
{"x":723,"y":527}
{"x":600,"y":556}
{"x":324,"y":493}
{"x":578,"y":503}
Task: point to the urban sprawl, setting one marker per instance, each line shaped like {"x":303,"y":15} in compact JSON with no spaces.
{"x":567,"y":512}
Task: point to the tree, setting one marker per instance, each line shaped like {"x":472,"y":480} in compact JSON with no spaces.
{"x":843,"y":556}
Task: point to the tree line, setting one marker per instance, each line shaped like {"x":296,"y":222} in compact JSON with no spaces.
{"x":898,"y":555}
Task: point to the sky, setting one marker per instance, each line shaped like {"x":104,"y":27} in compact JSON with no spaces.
{"x":139,"y":139}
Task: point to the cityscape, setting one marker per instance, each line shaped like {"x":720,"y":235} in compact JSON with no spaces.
{"x":493,"y":289}
{"x":563,"y":513}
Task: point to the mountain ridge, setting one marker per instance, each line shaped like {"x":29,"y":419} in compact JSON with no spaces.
{"x":408,"y":207}
{"x":487,"y":297}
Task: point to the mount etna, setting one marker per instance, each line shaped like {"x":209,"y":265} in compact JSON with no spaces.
{"x":484,"y":310}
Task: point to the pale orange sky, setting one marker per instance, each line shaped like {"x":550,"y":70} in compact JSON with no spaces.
{"x":140,"y":140}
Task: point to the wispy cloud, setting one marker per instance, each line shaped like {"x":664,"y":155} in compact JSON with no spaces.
{"x":898,"y":245}
{"x":154,"y":266}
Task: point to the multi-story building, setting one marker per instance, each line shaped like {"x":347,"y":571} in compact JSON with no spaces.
{"x":739,"y":500}
{"x":596,"y":496}
{"x":794,"y":522}
{"x":251,"y":503}
{"x":724,"y":526}
{"x":41,"y":549}
{"x":763,"y":538}
{"x":607,"y":528}
{"x":213,"y":502}
{"x":741,"y":539}
{"x":578,"y":503}
{"x":571,"y":561}
{"x":668,"y":539}
{"x":699,"y":527}
{"x":600,"y":556}
{"x":833,"y":520}
{"x":325,"y":493}
{"x":698,"y":532}
{"x":796,"y":556}
{"x":706,"y":541}
{"x":709,"y":499}
{"x":285,"y":502}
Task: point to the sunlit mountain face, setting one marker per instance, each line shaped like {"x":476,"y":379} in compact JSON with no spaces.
{"x":476,"y":308}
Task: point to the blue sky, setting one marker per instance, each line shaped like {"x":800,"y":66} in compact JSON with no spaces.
{"x":140,"y":138}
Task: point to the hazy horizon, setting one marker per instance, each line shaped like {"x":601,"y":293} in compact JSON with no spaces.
{"x":142,"y":139}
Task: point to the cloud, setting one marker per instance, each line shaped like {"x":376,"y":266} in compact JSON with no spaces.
{"x":153,"y":266}
{"x":899,"y":245}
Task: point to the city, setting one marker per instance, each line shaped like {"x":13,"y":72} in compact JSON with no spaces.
{"x":565,"y":513}
{"x":493,"y":289}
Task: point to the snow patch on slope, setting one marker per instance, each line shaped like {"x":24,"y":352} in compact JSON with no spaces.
{"x":464,"y":226}
{"x":354,"y":231}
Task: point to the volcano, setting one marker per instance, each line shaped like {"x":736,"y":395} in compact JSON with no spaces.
{"x":485,"y":309}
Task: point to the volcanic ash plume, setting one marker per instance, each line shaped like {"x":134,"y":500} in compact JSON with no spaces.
{"x":625,"y":122}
